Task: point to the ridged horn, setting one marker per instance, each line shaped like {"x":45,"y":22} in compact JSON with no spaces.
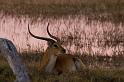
{"x":56,"y":38}
{"x":38,"y":37}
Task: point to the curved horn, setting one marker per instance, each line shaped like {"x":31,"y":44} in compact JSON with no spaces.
{"x":42,"y":38}
{"x":56,"y":38}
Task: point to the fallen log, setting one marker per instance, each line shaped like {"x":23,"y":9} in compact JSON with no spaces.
{"x":9,"y":52}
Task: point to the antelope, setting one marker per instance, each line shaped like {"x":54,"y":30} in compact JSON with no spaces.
{"x":55,"y":60}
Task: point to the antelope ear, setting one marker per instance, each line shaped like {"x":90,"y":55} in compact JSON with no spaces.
{"x":50,"y":43}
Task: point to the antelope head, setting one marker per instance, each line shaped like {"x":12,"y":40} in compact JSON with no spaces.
{"x":54,"y":46}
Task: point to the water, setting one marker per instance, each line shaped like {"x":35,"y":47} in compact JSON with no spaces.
{"x":78,"y":34}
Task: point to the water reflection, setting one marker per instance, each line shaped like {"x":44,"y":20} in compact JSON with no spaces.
{"x":77,"y":34}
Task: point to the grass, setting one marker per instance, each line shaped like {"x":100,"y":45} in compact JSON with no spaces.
{"x":6,"y":73}
{"x":95,"y":9}
{"x":31,"y":60}
{"x":100,"y":68}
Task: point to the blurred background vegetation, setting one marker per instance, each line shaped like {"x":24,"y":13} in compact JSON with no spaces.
{"x":100,"y":68}
{"x":102,"y":10}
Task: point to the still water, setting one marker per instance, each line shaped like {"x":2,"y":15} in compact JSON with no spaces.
{"x":78,"y":34}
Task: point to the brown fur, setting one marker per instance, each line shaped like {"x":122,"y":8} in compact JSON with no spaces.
{"x":55,"y":59}
{"x":68,"y":63}
{"x":51,"y":53}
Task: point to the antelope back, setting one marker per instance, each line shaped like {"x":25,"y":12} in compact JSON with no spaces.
{"x":65,"y":63}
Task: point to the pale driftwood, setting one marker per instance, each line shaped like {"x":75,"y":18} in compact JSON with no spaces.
{"x":8,"y":50}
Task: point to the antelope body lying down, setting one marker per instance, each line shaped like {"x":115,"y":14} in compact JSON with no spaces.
{"x":68,"y":63}
{"x":55,"y":59}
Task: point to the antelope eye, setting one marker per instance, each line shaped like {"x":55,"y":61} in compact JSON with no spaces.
{"x":55,"y":45}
